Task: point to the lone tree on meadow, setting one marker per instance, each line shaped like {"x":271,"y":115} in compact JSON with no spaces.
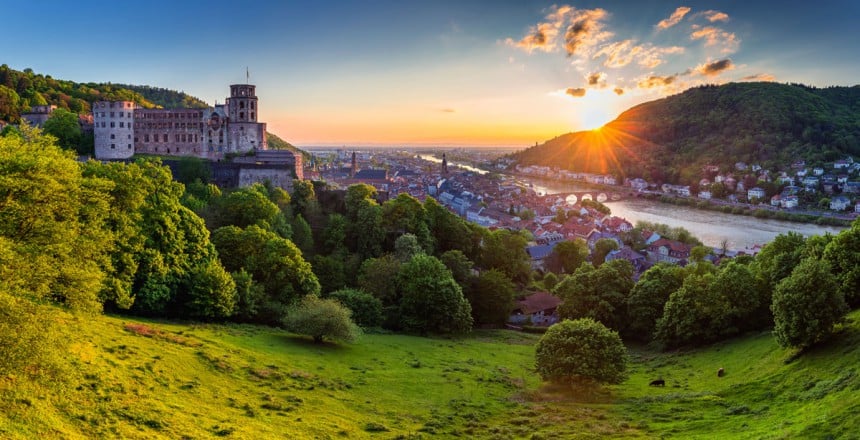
{"x":320,"y":319}
{"x":581,"y":351}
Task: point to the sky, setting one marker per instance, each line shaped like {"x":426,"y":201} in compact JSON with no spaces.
{"x":439,"y":72}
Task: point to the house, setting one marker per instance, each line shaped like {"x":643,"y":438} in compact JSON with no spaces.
{"x":740,"y":166}
{"x":617,"y":224}
{"x":705,"y":195}
{"x":627,"y":253}
{"x":851,"y":187}
{"x":638,"y":184}
{"x":789,"y":201}
{"x":785,"y":179}
{"x":536,"y":309}
{"x":538,"y":253}
{"x":839,"y":203}
{"x":756,"y":193}
{"x":775,"y":200}
{"x":841,"y":164}
{"x":818,"y":171}
{"x":650,"y":237}
{"x":670,"y":251}
{"x":810,"y":181}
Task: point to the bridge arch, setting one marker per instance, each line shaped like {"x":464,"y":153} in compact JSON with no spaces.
{"x":587,"y":197}
{"x":602,"y":197}
{"x":571,"y":199}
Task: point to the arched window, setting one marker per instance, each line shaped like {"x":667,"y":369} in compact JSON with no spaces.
{"x":241,"y":104}
{"x":241,"y":115}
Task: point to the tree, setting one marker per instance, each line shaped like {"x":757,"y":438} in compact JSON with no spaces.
{"x":459,"y":265}
{"x":378,"y":276}
{"x":492,"y":298}
{"x":567,"y":256}
{"x":64,"y":125}
{"x":329,"y":270}
{"x":193,"y":169}
{"x":303,"y":196}
{"x":366,"y":308}
{"x":405,"y":214}
{"x":302,"y":236}
{"x":406,"y":246}
{"x":250,"y":206}
{"x":695,"y":314}
{"x":806,"y":305}
{"x":843,"y":254}
{"x":506,"y":251}
{"x":249,"y":296}
{"x":9,"y":104}
{"x":779,"y":257}
{"x":320,"y":319}
{"x":748,"y":306}
{"x":275,"y":263}
{"x":211,"y":291}
{"x":597,"y":293}
{"x":602,"y":248}
{"x":431,"y":301}
{"x":649,"y":296}
{"x":581,"y":351}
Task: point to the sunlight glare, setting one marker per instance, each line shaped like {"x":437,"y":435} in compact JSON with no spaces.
{"x":595,"y":109}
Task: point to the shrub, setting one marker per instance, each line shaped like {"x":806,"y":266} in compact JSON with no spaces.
{"x":581,"y":351}
{"x":320,"y":319}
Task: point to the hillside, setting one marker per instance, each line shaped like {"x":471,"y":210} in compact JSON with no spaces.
{"x":165,"y":98}
{"x":134,"y":378}
{"x":670,"y":139}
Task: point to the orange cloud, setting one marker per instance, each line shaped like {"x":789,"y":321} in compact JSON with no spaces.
{"x":597,"y":79}
{"x":715,"y":68}
{"x":622,"y":53}
{"x":759,"y":77}
{"x":715,"y":36}
{"x":657,"y":81}
{"x":713,"y":16}
{"x":585,"y":31}
{"x":540,"y":37}
{"x":576,"y":93}
{"x":673,"y":19}
{"x":618,"y":91}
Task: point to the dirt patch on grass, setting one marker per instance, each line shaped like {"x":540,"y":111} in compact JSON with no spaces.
{"x":152,"y":332}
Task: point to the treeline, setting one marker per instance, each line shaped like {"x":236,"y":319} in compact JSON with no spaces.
{"x":20,"y":90}
{"x":670,"y":139}
{"x":800,"y":287}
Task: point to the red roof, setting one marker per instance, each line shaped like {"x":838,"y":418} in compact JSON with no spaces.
{"x":537,"y":302}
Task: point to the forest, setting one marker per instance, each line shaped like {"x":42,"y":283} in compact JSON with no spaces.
{"x":669,"y":140}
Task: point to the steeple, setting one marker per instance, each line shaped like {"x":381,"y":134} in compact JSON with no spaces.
{"x":444,"y":165}
{"x":354,"y":165}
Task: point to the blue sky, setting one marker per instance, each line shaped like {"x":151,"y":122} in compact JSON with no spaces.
{"x":435,"y":72}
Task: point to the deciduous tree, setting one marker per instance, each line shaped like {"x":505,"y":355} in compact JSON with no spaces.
{"x":581,"y":351}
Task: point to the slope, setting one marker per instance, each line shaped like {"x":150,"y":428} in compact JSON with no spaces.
{"x":133,"y":378}
{"x":670,"y":139}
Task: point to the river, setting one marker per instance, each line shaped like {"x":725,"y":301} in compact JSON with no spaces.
{"x":709,"y":226}
{"x":432,"y":158}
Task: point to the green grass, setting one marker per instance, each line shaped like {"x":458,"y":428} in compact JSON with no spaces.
{"x":132,"y":378}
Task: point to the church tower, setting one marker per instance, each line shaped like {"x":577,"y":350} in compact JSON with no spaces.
{"x":242,"y":103}
{"x":244,"y":132}
{"x":444,"y":165}
{"x":354,"y":165}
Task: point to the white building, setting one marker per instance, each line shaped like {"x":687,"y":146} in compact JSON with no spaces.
{"x":756,"y":193}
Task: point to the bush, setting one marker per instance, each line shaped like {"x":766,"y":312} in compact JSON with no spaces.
{"x":320,"y":319}
{"x":366,"y":308}
{"x":581,"y":351}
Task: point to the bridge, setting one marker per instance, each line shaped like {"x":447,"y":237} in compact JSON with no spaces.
{"x":596,"y":195}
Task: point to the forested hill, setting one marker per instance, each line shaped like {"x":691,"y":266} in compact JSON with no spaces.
{"x":165,"y":97}
{"x":672,"y":138}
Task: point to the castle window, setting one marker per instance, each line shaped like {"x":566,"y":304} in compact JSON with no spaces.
{"x":242,"y":104}
{"x":165,"y":138}
{"x":122,"y":125}
{"x":120,"y":114}
{"x":112,"y":124}
{"x":129,"y":136}
{"x":252,"y":115}
{"x":111,"y":114}
{"x":241,"y":115}
{"x":112,"y":136}
{"x":129,"y":146}
{"x":146,"y":138}
{"x":252,"y":105}
{"x":113,"y":146}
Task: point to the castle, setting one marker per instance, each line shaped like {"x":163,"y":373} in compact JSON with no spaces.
{"x":122,"y":128}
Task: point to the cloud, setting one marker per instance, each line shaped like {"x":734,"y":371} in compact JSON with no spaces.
{"x":540,"y":37}
{"x":657,"y":81}
{"x":585,"y":31}
{"x":714,"y":16}
{"x":673,"y":19}
{"x":759,"y":77}
{"x":618,"y":91}
{"x":447,"y":110}
{"x":576,"y":93}
{"x":715,"y":36}
{"x":715,"y":68}
{"x":621,"y":53}
{"x":596,"y":79}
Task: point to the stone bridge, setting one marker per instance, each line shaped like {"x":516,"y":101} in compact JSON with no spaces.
{"x":597,"y":195}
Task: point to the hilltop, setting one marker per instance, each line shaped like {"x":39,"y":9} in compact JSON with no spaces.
{"x":19,"y":90}
{"x":670,"y":139}
{"x":135,"y":378}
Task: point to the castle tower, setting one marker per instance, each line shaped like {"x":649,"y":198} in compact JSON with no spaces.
{"x":354,"y":165}
{"x":242,"y":103}
{"x":113,"y":128}
{"x":444,"y":165}
{"x":244,"y":133}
